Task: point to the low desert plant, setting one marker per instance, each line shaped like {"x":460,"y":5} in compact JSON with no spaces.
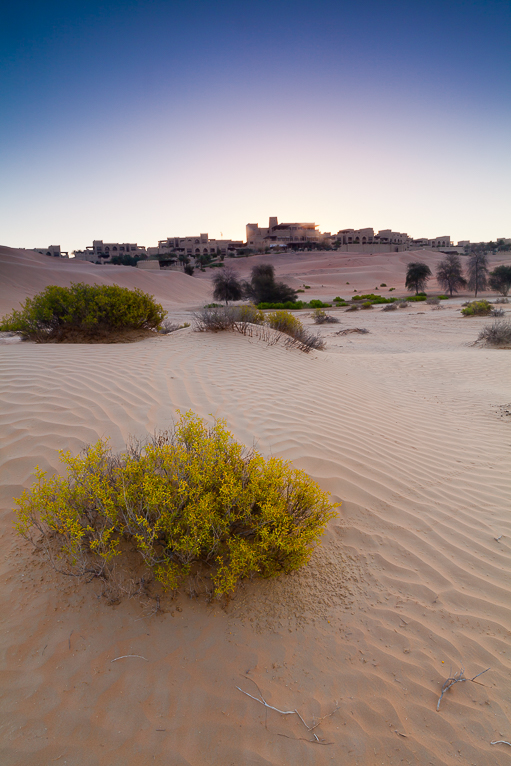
{"x":321,"y":317}
{"x":227,"y":318}
{"x":383,"y":284}
{"x":501,"y":300}
{"x":288,"y":305}
{"x":497,"y":313}
{"x":189,"y":496}
{"x":317,"y":304}
{"x":87,"y":312}
{"x":402,"y":304}
{"x":477,"y":308}
{"x":496,"y":334}
{"x":433,"y":301}
{"x":354,"y":307}
{"x":367,"y":305}
{"x":390,"y":307}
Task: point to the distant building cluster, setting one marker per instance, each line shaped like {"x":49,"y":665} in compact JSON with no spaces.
{"x":275,"y":237}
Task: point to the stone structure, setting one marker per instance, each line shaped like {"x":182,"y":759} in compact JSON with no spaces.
{"x":291,"y":235}
{"x":195,"y":246}
{"x":53,"y":250}
{"x":103,"y":252}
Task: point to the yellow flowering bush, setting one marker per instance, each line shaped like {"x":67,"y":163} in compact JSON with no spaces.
{"x":190,"y":495}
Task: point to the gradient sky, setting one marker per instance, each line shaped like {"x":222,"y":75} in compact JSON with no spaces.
{"x":144,"y":119}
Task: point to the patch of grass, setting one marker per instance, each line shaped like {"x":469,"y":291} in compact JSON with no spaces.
{"x":191,"y":495}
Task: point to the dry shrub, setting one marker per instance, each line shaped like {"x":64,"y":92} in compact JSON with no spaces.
{"x":321,"y":317}
{"x":390,"y":307}
{"x":496,"y":334}
{"x":190,"y":496}
{"x":402,"y":304}
{"x":352,"y":308}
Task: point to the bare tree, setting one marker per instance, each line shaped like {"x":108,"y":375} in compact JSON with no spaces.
{"x":478,"y":272}
{"x":449,"y":274}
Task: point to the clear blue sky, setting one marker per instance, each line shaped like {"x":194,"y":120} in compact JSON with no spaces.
{"x":136,"y":121}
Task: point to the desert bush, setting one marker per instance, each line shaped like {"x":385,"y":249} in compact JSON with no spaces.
{"x":477,"y":308}
{"x":84,"y":311}
{"x":284,"y":321}
{"x":497,"y":313}
{"x":352,"y":308}
{"x":317,"y":304}
{"x":390,"y":307}
{"x":262,"y":287}
{"x":496,"y":334}
{"x":501,"y":300}
{"x":402,"y":304}
{"x":367,"y":305}
{"x":222,"y":318}
{"x":190,"y":495}
{"x":417,"y":298}
{"x":321,"y":317}
{"x":382,"y":284}
{"x":433,"y":301}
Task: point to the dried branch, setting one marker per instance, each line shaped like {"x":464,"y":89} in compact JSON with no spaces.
{"x":129,"y":655}
{"x":500,"y":742}
{"x":458,"y":678}
{"x":262,"y":701}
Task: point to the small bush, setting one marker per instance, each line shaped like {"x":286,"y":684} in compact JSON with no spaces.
{"x":497,"y":312}
{"x":391,"y":288}
{"x":84,"y":312}
{"x":284,"y":321}
{"x":477,"y":308}
{"x":383,"y":284}
{"x":227,"y":318}
{"x":496,"y":334}
{"x":390,"y":307}
{"x":352,"y":308}
{"x":321,"y":317}
{"x":417,"y":298}
{"x":501,"y":300}
{"x":433,"y":301}
{"x":367,"y":305}
{"x":300,"y":291}
{"x":402,"y":304}
{"x":316,"y":304}
{"x":191,"y":495}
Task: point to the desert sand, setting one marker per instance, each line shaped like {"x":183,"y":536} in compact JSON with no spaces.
{"x":407,"y":425}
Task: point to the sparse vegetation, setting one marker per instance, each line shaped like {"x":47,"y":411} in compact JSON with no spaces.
{"x":227,"y":286}
{"x":84,"y":313}
{"x":497,"y":333}
{"x":500,"y":279}
{"x":354,"y":307}
{"x":478,"y":272}
{"x":321,"y":317}
{"x":263,"y":288}
{"x":449,"y":274}
{"x":190,"y":496}
{"x":477,"y":308}
{"x":417,"y":276}
{"x":402,"y":304}
{"x":367,"y":305}
{"x":390,"y":307}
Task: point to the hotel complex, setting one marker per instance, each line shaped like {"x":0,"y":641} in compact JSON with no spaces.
{"x":275,"y":237}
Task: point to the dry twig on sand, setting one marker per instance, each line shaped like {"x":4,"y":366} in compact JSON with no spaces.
{"x":129,"y":655}
{"x":458,"y":678}
{"x":262,"y":701}
{"x":500,"y":742}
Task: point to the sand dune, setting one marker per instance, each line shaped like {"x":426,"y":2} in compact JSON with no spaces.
{"x":408,"y":426}
{"x":24,"y":273}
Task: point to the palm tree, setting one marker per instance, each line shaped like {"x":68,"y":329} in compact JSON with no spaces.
{"x":417,"y":275}
{"x":449,"y":274}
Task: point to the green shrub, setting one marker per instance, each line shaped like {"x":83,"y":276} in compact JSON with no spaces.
{"x":300,"y":291}
{"x":317,"y":304}
{"x":417,"y":298}
{"x":477,"y":308}
{"x":91,"y":312}
{"x":373,"y":298}
{"x":190,"y":495}
{"x":443,"y":297}
{"x":367,"y":305}
{"x":287,"y":305}
{"x":391,"y":288}
{"x":284,"y":321}
{"x":383,"y":284}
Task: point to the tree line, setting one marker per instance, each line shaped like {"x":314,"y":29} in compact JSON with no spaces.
{"x":450,"y":276}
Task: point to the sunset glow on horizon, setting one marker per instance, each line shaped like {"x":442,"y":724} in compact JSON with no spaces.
{"x":136,"y":121}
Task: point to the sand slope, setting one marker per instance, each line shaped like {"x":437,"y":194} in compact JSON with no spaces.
{"x":24,"y":273}
{"x":407,"y":425}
